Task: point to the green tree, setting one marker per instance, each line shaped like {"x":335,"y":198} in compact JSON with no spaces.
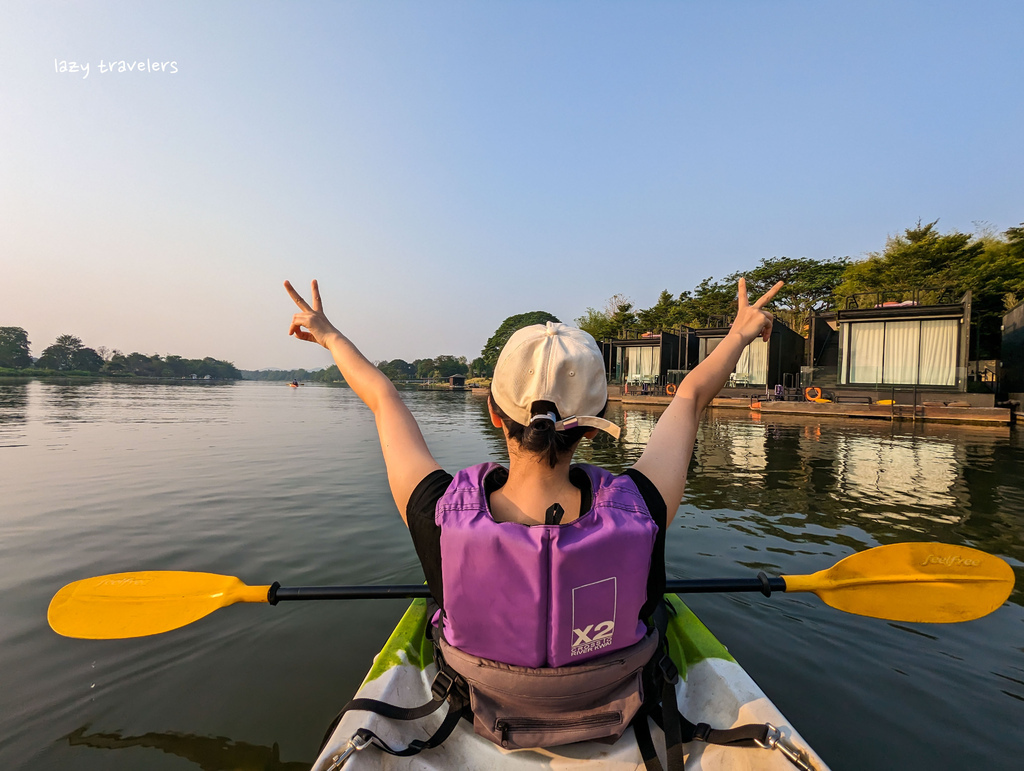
{"x":706,"y":303}
{"x":330,"y":375}
{"x":60,"y":356}
{"x":990,"y":266}
{"x":996,"y":280}
{"x":617,"y":315}
{"x":919,"y":257}
{"x":177,"y":367}
{"x":596,"y":324}
{"x":1014,"y":254}
{"x":661,"y":314}
{"x":86,"y":360}
{"x":14,"y":350}
{"x":445,"y":366}
{"x":397,"y":369}
{"x":424,"y":367}
{"x":492,"y":348}
{"x":810,"y":285}
{"x":480,"y":368}
{"x":115,"y":362}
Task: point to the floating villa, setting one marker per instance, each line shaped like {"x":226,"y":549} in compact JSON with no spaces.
{"x":881,"y":355}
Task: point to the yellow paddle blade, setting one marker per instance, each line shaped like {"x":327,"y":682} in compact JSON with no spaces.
{"x":918,"y":582}
{"x":123,"y":605}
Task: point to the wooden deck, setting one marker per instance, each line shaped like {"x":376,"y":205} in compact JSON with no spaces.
{"x":930,"y":413}
{"x":990,"y":416}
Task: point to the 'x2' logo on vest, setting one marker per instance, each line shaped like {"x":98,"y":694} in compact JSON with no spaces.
{"x":593,"y":616}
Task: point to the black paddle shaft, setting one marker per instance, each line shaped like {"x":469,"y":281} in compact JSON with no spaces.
{"x":278,"y":593}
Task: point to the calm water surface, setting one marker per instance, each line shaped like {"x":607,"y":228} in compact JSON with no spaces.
{"x":272,"y":483}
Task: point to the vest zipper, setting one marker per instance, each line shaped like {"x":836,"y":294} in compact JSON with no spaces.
{"x":509,"y":725}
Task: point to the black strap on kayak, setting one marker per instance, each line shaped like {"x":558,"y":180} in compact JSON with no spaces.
{"x":442,"y":689}
{"x":678,"y":730}
{"x":642,"y":731}
{"x":417,"y":746}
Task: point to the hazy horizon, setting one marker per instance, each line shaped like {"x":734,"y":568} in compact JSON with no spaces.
{"x":442,"y":166}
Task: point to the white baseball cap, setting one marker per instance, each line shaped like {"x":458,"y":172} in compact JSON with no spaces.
{"x":553,"y":363}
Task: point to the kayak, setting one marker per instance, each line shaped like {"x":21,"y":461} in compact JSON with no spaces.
{"x":713,"y":688}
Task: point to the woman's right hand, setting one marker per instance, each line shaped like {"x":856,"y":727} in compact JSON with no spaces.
{"x":753,"y":321}
{"x":312,"y":318}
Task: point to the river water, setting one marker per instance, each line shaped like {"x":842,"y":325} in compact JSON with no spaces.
{"x":268,"y":483}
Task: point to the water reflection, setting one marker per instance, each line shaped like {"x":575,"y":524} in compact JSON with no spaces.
{"x":853,"y":483}
{"x":210,"y":753}
{"x":919,"y":477}
{"x":64,"y":403}
{"x":833,"y":473}
{"x":13,"y":414}
{"x":13,"y":403}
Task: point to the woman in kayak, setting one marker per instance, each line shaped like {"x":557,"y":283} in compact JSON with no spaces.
{"x":563,"y":587}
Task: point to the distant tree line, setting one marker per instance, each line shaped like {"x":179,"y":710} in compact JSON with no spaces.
{"x":440,"y":367}
{"x":67,"y":355}
{"x":329,"y":375}
{"x":989,"y":264}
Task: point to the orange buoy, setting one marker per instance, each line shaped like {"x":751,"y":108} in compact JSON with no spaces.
{"x":812,"y":393}
{"x":670,"y":389}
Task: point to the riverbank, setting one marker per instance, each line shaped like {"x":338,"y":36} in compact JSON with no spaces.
{"x":53,"y":376}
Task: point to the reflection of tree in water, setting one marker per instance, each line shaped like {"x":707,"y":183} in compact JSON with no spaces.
{"x":210,"y":753}
{"x":13,"y":403}
{"x":64,"y":402}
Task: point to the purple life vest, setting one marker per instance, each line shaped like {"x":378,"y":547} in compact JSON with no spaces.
{"x":544,"y":595}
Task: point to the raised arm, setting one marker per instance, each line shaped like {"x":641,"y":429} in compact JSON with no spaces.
{"x":406,"y":455}
{"x":666,"y":458}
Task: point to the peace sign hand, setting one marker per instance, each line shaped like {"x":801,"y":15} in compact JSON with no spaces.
{"x":753,"y":321}
{"x":312,"y":318}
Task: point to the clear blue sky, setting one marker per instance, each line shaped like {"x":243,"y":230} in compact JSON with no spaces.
{"x":440,"y":166}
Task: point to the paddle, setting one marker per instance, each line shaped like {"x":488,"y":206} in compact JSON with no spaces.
{"x":917,"y":582}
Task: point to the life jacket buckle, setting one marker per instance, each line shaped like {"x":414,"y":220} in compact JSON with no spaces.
{"x":441,"y":685}
{"x":668,"y":669}
{"x":700,"y":732}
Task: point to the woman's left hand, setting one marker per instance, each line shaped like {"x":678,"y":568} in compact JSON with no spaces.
{"x":753,"y":321}
{"x":312,"y":318}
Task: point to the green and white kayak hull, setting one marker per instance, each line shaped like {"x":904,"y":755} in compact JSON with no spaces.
{"x":712,"y":689}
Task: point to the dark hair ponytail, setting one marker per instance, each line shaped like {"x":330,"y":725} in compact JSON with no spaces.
{"x":539,"y":436}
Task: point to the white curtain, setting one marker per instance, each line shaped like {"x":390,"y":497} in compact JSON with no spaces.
{"x":866,"y":351}
{"x":655,"y":370}
{"x":632,"y":361}
{"x":707,"y":345}
{"x":752,"y":368}
{"x":938,"y":351}
{"x":643,"y":364}
{"x":901,"y":346}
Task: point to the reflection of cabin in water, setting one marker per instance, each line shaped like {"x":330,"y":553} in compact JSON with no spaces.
{"x":879,"y":343}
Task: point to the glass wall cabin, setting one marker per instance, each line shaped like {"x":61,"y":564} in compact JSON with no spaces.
{"x":913,"y":352}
